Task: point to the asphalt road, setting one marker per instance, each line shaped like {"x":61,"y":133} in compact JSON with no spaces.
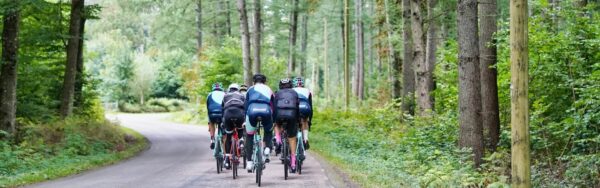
{"x":179,"y":157}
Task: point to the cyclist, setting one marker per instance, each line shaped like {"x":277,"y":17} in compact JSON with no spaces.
{"x":286,"y":112}
{"x":233,"y":117}
{"x":306,"y":111}
{"x":259,"y":104}
{"x":215,"y":110}
{"x":243,"y":89}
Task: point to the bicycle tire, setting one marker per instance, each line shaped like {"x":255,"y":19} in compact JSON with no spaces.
{"x":233,"y":159}
{"x":286,"y":161}
{"x":300,"y":158}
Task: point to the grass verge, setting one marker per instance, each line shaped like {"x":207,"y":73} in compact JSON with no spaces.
{"x":69,"y":148}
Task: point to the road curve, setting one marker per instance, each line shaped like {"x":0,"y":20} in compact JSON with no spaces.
{"x":179,"y":157}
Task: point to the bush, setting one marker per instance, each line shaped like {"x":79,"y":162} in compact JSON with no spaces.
{"x":156,"y":105}
{"x":61,"y":147}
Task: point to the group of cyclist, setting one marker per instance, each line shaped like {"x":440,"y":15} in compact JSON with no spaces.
{"x":241,"y":108}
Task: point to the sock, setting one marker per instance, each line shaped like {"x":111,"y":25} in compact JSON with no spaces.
{"x":278,"y":138}
{"x":293,"y":161}
{"x":305,"y":135}
{"x":212,"y":137}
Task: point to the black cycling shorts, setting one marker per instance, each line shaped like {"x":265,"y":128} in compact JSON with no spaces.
{"x":290,"y":125}
{"x":233,"y":118}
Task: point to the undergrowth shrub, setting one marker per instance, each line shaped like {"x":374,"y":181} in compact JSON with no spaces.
{"x":154,"y":106}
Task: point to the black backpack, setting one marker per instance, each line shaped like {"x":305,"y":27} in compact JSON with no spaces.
{"x":233,"y":100}
{"x":286,"y":103}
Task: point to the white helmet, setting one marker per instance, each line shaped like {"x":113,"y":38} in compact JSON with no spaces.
{"x":233,"y":87}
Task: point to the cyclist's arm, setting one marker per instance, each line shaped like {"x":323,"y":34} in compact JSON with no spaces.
{"x":311,"y":107}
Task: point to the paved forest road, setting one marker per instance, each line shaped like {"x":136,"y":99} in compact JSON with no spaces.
{"x":179,"y":157}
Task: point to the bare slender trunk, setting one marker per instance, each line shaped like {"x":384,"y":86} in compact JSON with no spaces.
{"x":304,"y":44}
{"x":245,"y":42}
{"x":408,"y":72}
{"x":66,"y":107}
{"x":471,"y":130}
{"x":325,"y":59}
{"x":257,"y":37}
{"x":520,"y":161}
{"x":422,"y":72}
{"x":390,"y":55}
{"x":228,"y":15}
{"x":489,"y":88}
{"x":79,"y":79}
{"x":199,"y":26}
{"x":346,"y":56}
{"x":431,"y":47}
{"x":8,"y":68}
{"x":292,"y":39}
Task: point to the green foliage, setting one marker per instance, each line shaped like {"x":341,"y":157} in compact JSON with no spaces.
{"x":223,"y":64}
{"x":390,"y":154}
{"x":60,"y":148}
{"x":154,"y":105}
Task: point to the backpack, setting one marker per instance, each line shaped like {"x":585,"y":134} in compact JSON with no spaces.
{"x":286,"y":103}
{"x":233,"y":100}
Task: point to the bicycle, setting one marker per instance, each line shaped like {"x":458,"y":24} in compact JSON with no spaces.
{"x":235,"y":152}
{"x":218,"y":151}
{"x":257,"y":154}
{"x":286,"y":152}
{"x":299,"y":151}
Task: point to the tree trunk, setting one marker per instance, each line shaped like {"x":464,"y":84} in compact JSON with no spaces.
{"x":325,"y":59}
{"x":431,"y":47}
{"x":241,"y":4}
{"x":228,"y":15}
{"x":257,"y":37}
{"x":471,"y":130}
{"x":360,"y":57}
{"x":215,"y":21}
{"x":79,"y":79}
{"x":8,"y":68}
{"x":422,"y":72}
{"x":292,"y":39}
{"x":346,"y":56}
{"x":489,"y":88}
{"x":390,"y":55}
{"x":304,"y":44}
{"x":199,"y":26}
{"x":66,"y":106}
{"x":408,"y":72}
{"x":520,"y":162}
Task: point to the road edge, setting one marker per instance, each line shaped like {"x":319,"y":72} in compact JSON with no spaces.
{"x":337,"y":176}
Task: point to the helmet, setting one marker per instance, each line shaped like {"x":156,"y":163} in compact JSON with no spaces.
{"x":298,"y":82}
{"x":243,"y":87}
{"x":285,"y":83}
{"x":259,"y":78}
{"x":217,"y":86}
{"x":233,"y":87}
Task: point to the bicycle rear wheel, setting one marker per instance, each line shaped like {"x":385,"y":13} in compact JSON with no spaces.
{"x":286,"y":161}
{"x":259,"y":166}
{"x":234,"y":159}
{"x":300,"y":158}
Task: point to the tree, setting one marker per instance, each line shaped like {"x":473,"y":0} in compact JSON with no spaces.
{"x":199,"y":26}
{"x":145,"y":73}
{"x":292,"y":38}
{"x":256,"y":39}
{"x":8,"y":67}
{"x":303,"y":44}
{"x":359,"y":47}
{"x":431,"y":49}
{"x":346,"y":55}
{"x":422,"y":71}
{"x":66,"y":106}
{"x":79,"y":78}
{"x":471,"y":130}
{"x":245,"y":42}
{"x":489,"y":87}
{"x":519,"y":103}
{"x":408,"y":73}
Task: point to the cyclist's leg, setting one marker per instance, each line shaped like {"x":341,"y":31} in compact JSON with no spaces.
{"x":291,"y":128}
{"x":267,"y":122}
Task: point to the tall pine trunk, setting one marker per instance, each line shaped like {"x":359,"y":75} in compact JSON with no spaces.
{"x":360,"y":57}
{"x":489,"y":88}
{"x":408,"y":72}
{"x":8,"y":67}
{"x":241,"y":4}
{"x":199,"y":27}
{"x":346,"y":54}
{"x":228,"y":16}
{"x":519,"y":111}
{"x":326,"y":76}
{"x":79,"y":78}
{"x":66,"y":106}
{"x":304,"y":44}
{"x":422,"y":73}
{"x":292,"y":39}
{"x":469,"y":97}
{"x":257,"y":37}
{"x":431,"y":47}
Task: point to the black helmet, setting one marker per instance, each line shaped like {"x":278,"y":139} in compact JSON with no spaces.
{"x":285,"y":83}
{"x":243,"y":87}
{"x":259,"y":78}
